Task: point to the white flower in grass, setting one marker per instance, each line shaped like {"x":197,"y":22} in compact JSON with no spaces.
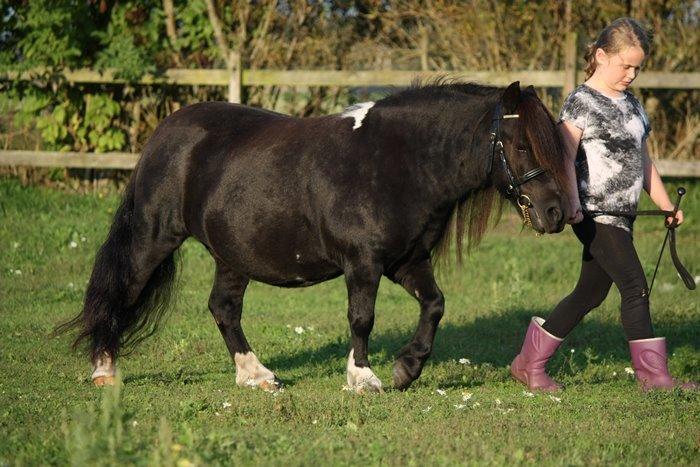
{"x":314,"y":421}
{"x":498,"y":401}
{"x":226,"y":405}
{"x":442,"y":392}
{"x":554,"y":398}
{"x":476,"y":404}
{"x":299,"y":330}
{"x":217,"y":414}
{"x":427,"y":409}
{"x":15,"y":245}
{"x":459,"y":406}
{"x":572,"y":350}
{"x":465,"y":361}
{"x":18,"y":272}
{"x":134,"y":423}
{"x":614,"y":373}
{"x":83,"y":239}
{"x":629,"y":371}
{"x":528,"y":394}
{"x":466,"y":396}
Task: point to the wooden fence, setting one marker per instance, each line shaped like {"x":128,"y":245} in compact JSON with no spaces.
{"x":235,"y":78}
{"x":125,"y":160}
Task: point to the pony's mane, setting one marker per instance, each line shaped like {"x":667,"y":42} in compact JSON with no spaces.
{"x":436,"y":88}
{"x":470,"y":215}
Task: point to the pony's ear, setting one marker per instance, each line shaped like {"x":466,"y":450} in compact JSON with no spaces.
{"x":511,"y":97}
{"x":531,"y":90}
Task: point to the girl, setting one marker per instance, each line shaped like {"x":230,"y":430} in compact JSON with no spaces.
{"x":604,"y":129}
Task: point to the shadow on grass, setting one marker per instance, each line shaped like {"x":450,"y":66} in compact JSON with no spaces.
{"x":494,"y":340}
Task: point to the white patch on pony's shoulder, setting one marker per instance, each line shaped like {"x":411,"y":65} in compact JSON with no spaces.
{"x":358,"y":112}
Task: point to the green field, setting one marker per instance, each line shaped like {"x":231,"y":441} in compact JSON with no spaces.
{"x":179,"y":405}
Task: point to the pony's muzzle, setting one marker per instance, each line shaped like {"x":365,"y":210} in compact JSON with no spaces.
{"x":547,"y":217}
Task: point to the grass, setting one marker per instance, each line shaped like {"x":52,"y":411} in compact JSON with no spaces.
{"x":179,"y":405}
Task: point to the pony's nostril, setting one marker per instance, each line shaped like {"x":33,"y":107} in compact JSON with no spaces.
{"x":554,"y":214}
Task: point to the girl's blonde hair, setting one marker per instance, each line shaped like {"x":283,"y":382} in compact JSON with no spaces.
{"x":620,"y":34}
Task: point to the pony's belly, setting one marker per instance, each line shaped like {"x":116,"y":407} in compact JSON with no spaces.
{"x":303,"y":275}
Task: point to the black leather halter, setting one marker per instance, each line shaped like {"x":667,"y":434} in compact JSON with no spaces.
{"x":512,"y":191}
{"x":497,"y":149}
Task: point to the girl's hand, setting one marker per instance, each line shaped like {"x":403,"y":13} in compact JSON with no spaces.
{"x":678,"y":220}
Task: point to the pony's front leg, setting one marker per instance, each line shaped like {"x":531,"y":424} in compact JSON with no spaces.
{"x":419,"y":281}
{"x":226,"y":305}
{"x":362,"y":283}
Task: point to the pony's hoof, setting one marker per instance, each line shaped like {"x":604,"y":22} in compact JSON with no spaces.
{"x":271,"y":385}
{"x":101,"y":381}
{"x":402,"y":379}
{"x":373,"y":385}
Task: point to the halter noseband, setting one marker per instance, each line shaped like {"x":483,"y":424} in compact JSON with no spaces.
{"x":513,"y":188}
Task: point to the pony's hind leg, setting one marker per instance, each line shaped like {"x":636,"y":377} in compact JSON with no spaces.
{"x":134,"y":315}
{"x":419,"y":281}
{"x":362,"y":284}
{"x":226,"y":305}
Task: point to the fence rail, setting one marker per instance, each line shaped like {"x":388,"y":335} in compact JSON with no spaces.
{"x":236,"y":78}
{"x":222,"y":77}
{"x":125,"y":160}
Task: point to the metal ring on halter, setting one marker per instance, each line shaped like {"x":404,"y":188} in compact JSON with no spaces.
{"x":527,"y":203}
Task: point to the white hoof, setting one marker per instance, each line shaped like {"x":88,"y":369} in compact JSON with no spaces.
{"x":362,"y":379}
{"x":103,"y":371}
{"x":252,"y":374}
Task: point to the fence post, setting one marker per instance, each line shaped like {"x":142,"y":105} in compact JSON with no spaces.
{"x":570,"y":62}
{"x":423,"y":49}
{"x":234,"y":83}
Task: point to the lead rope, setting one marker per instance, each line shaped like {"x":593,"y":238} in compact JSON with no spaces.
{"x":671,"y":231}
{"x":683,"y":273}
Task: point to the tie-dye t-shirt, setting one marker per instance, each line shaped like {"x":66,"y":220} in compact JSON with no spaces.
{"x":609,"y":165}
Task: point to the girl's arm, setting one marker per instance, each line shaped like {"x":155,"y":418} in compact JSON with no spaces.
{"x":655,"y":187}
{"x":571,"y":137}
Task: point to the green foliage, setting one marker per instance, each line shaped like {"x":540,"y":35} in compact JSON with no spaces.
{"x":101,"y":113}
{"x":86,"y":124}
{"x":195,"y":33}
{"x":51,"y":34}
{"x":131,"y":40}
{"x":54,"y":130}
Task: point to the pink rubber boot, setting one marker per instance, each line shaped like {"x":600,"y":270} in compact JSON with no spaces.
{"x":528,"y":365}
{"x":649,"y":362}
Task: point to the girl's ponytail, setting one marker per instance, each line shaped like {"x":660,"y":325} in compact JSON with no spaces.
{"x":589,"y":57}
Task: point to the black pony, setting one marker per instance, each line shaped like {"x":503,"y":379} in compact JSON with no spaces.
{"x":293,"y":202}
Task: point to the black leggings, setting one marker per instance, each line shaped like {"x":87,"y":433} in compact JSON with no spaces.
{"x":608,"y":256}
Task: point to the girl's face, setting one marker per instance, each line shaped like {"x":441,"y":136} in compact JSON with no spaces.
{"x":616,"y":71}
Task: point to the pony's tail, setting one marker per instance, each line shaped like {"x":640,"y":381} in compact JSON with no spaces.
{"x":112,"y":320}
